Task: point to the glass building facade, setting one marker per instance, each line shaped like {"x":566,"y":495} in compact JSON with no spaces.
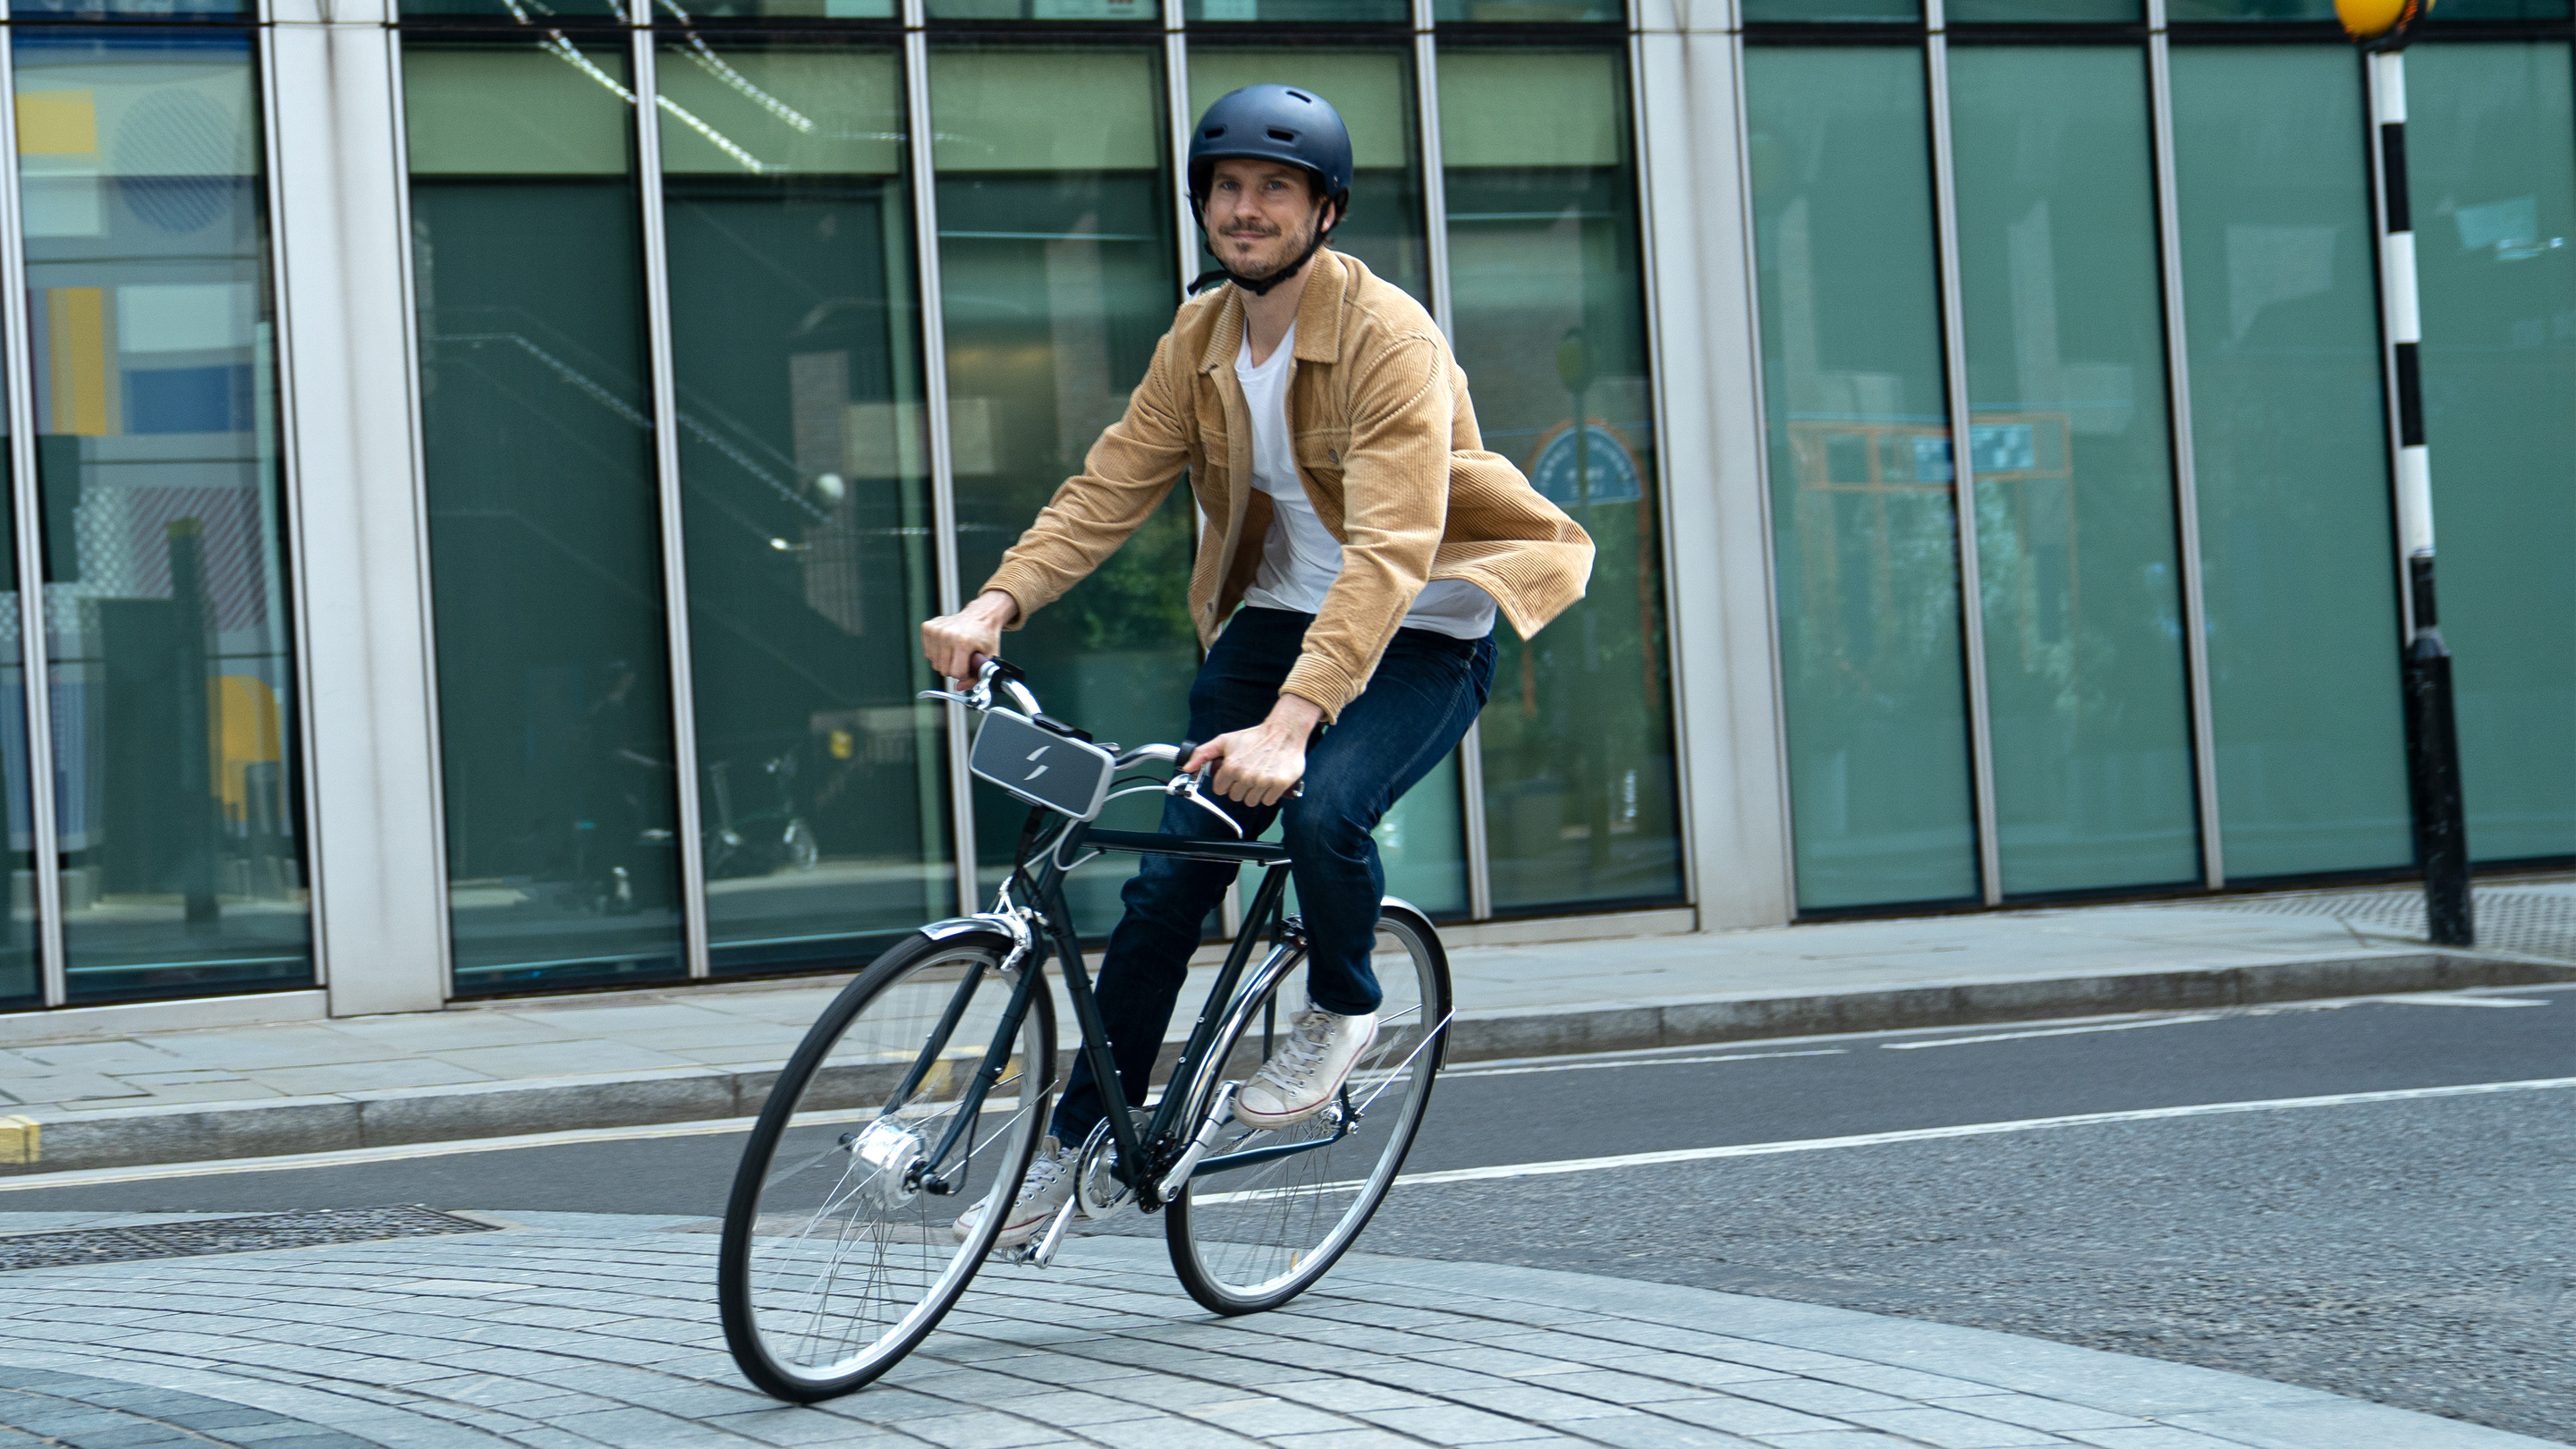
{"x":477,"y":469}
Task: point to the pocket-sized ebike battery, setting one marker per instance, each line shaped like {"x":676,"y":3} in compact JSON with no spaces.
{"x":1040,"y":766}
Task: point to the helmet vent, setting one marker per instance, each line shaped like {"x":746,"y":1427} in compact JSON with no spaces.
{"x":1213,"y":132}
{"x":1277,"y":134}
{"x":1301,"y":95}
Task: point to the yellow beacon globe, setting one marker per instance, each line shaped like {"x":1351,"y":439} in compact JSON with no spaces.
{"x":2370,"y":19}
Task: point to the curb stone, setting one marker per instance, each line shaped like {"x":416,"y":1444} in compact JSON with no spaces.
{"x":56,"y":1139}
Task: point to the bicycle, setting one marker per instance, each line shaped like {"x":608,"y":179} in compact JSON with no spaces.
{"x":925,"y":1086}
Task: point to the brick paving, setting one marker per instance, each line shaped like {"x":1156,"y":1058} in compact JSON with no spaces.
{"x":572,"y":1330}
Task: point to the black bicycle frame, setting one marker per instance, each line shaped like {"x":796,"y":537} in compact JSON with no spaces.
{"x":1047,"y":884}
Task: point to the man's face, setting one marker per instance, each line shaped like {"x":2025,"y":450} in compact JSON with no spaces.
{"x":1260,"y":215}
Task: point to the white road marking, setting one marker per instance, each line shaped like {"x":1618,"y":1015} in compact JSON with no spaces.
{"x":2455,"y":1001}
{"x":1973,"y":1129}
{"x":1912,"y":1046}
{"x":1653,"y":1062}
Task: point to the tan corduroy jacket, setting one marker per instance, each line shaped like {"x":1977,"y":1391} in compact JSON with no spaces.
{"x":1387,"y":447}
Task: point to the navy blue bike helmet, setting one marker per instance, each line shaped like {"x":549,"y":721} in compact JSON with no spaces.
{"x":1271,"y":123}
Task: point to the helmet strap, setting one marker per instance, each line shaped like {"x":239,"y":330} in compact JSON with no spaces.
{"x":1260,"y":286}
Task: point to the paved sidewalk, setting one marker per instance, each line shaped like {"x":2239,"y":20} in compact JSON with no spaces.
{"x":711,"y":1052}
{"x":574,"y":1330}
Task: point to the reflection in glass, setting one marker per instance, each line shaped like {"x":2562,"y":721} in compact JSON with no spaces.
{"x":1274,"y":12}
{"x":544,"y":529}
{"x":1848,"y":10}
{"x":513,"y":11}
{"x":1525,"y":12}
{"x":1139,"y":10}
{"x":163,"y":10}
{"x":2075,"y":520}
{"x":823,"y":783}
{"x":1550,"y":318}
{"x":173,"y":686}
{"x":1056,"y":257}
{"x":2044,"y":12}
{"x":2491,"y":152}
{"x":1864,"y":545}
{"x":2289,"y":445}
{"x":1373,"y":89}
{"x":2189,"y":10}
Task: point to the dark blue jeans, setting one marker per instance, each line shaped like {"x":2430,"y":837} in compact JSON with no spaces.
{"x":1427,"y":690}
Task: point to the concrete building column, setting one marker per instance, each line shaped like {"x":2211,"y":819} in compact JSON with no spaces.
{"x":378,"y":871}
{"x":1699,"y":244}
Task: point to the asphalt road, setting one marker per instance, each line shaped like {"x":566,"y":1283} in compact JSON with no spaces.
{"x":2420,"y":1252}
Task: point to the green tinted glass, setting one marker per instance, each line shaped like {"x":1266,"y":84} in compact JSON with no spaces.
{"x":2076,"y":549}
{"x":1862,"y":511}
{"x":1549,"y":303}
{"x":1057,"y":255}
{"x":1505,"y":12}
{"x":1140,"y":10}
{"x":1373,"y":90}
{"x":2289,"y":445}
{"x":822,"y":783}
{"x":1756,"y":11}
{"x":1346,"y":12}
{"x":173,"y":680}
{"x":2491,"y":147}
{"x":2039,"y":12}
{"x":544,"y":519}
{"x":2188,"y":10}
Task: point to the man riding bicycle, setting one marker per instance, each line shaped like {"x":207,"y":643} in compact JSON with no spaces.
{"x":1357,"y":544}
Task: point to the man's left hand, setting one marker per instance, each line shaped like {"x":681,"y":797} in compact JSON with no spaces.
{"x":1261,"y":764}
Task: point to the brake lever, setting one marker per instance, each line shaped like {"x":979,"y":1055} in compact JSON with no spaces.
{"x":1186,"y":786}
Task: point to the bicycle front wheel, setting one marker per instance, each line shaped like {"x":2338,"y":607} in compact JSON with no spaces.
{"x":838,"y":1252}
{"x":1250,"y":1235}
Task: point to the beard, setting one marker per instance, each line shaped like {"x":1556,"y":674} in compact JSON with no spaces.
{"x":1291,"y":249}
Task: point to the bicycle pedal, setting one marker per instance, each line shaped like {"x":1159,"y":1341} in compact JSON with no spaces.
{"x":1041,"y":1249}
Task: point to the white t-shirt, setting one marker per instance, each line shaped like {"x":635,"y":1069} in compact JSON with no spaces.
{"x":1300,"y":557}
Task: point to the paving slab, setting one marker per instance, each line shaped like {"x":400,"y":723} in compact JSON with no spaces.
{"x":186,"y":1344}
{"x":632,"y":1058}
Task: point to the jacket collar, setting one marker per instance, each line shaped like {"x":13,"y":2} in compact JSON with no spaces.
{"x":1319,"y":315}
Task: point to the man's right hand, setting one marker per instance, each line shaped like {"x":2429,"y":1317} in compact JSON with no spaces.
{"x":958,"y":644}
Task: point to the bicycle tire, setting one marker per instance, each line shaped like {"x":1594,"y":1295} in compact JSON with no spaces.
{"x":831,"y":1270}
{"x":1248,"y":1239}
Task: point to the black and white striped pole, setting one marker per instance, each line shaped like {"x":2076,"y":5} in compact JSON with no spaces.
{"x":2432,"y":734}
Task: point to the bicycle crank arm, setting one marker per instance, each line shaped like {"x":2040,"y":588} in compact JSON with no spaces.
{"x":1041,"y":1252}
{"x":1219,"y":1112}
{"x":1254,"y":1156}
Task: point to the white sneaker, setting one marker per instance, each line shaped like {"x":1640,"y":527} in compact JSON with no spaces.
{"x":1042,"y":1195}
{"x":1306,"y":1071}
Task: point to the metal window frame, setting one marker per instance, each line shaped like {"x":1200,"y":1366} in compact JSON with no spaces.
{"x":934,"y":410}
{"x":1435,"y":253}
{"x":1963,"y":479}
{"x":666,"y":469}
{"x":27,"y":511}
{"x":2195,"y":623}
{"x":290,"y":497}
{"x":418,"y":479}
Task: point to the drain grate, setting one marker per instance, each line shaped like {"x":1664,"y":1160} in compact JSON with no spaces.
{"x":311,"y":1228}
{"x":2530,"y":920}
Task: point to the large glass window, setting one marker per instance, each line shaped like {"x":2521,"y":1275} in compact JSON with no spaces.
{"x":822,"y":782}
{"x":172,"y":681}
{"x":1864,"y":541}
{"x":2290,"y":447}
{"x":1550,"y":321}
{"x":2491,"y":140}
{"x":544,"y":526}
{"x":2076,"y":550}
{"x":1056,"y":260}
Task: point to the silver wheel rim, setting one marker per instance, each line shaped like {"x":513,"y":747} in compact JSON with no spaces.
{"x":1257,"y":1230}
{"x":844,"y":1268}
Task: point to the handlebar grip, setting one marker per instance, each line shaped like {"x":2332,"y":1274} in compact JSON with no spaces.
{"x":1187,"y":749}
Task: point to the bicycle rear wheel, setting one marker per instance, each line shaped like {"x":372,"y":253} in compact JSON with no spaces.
{"x":838,"y":1256}
{"x":1251,"y":1237}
